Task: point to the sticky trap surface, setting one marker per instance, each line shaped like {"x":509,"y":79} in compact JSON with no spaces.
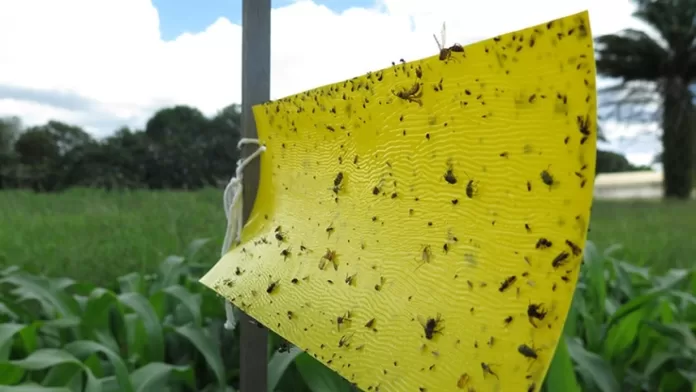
{"x":422,"y":226}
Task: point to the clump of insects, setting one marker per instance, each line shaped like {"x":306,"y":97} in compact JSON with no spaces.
{"x":431,"y":326}
{"x":535,"y":311}
{"x":543,"y":243}
{"x":445,"y":52}
{"x":584,"y":128}
{"x":337,"y":182}
{"x":412,"y":94}
{"x":576,"y":249}
{"x":328,"y":257}
{"x":560,"y":260}
{"x":509,"y":281}
{"x":345,"y":341}
{"x":279,"y":235}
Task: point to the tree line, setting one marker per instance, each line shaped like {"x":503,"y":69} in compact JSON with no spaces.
{"x":180,"y":148}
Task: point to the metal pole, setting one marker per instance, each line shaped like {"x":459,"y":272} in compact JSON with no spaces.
{"x":256,"y":75}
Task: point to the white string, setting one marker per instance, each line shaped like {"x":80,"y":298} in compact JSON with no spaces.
{"x":233,"y":204}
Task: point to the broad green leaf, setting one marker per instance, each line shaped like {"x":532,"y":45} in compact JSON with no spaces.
{"x":170,"y":270}
{"x":61,"y":375}
{"x":623,"y":334}
{"x":7,"y":332}
{"x":561,"y":375}
{"x":318,"y":377}
{"x":189,"y":301}
{"x":204,"y":345}
{"x":194,"y":247}
{"x":32,"y":388}
{"x":31,"y":287}
{"x":155,"y":376}
{"x":132,"y":283}
{"x":45,"y":358}
{"x":155,"y":337}
{"x":85,"y":348}
{"x":681,"y":333}
{"x":636,"y":303}
{"x":279,"y":363}
{"x":593,"y":368}
{"x":657,"y":360}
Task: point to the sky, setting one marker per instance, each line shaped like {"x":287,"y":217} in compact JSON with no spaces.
{"x":103,"y":64}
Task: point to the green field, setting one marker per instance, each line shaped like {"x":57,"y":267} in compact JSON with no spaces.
{"x":96,"y":236}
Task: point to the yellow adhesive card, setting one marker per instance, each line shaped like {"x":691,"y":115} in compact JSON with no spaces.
{"x":422,"y":226}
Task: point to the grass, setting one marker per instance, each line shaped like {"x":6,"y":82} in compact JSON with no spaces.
{"x":95,"y":236}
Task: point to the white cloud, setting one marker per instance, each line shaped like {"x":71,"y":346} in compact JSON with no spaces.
{"x":110,"y":51}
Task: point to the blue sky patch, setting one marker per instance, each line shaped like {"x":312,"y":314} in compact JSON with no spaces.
{"x":193,"y":16}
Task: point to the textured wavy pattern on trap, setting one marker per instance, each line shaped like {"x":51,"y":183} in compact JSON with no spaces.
{"x":422,"y":226}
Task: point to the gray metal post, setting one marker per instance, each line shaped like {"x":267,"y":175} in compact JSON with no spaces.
{"x":256,"y":86}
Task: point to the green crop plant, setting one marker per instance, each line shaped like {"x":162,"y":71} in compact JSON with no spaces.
{"x":628,"y":330}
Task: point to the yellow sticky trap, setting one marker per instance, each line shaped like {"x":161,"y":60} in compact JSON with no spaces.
{"x":422,"y":226}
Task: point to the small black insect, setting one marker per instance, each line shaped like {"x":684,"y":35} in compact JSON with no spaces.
{"x":463,"y":381}
{"x":412,"y":94}
{"x":535,"y":311}
{"x":370,"y":323}
{"x":560,"y":260}
{"x":576,"y":249}
{"x":543,"y":243}
{"x":470,"y":189}
{"x":509,"y":281}
{"x":508,"y":320}
{"x":527,"y":351}
{"x":449,"y":177}
{"x":340,"y":320}
{"x":279,"y":234}
{"x":295,"y":281}
{"x":584,"y":125}
{"x":487,"y":370}
{"x":285,"y":253}
{"x":430,"y":327}
{"x":271,"y":287}
{"x":284,"y":347}
{"x":350,"y":279}
{"x":547,"y":178}
{"x":532,"y":387}
{"x":337,"y":182}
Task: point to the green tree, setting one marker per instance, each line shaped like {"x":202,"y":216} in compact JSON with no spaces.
{"x":49,"y":154}
{"x":10,"y":129}
{"x":667,"y":61}
{"x":176,"y":136}
{"x":612,"y":162}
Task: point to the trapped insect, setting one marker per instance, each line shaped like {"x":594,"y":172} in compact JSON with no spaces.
{"x":412,"y":94}
{"x":430,"y":326}
{"x":527,"y":351}
{"x":445,"y":52}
